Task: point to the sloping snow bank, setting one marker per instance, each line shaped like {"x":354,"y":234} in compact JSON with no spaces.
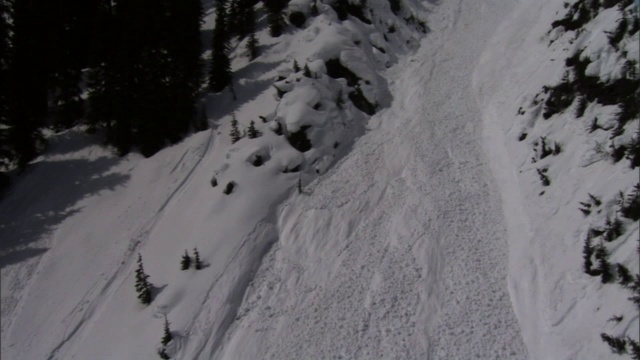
{"x":562,"y":311}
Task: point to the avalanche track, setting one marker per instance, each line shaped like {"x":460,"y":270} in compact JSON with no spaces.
{"x":400,"y":251}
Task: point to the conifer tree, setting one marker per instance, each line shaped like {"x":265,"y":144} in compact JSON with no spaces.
{"x":634,"y":348}
{"x":252,"y":46}
{"x":166,"y":337}
{"x":252,"y":132}
{"x":197,"y":264}
{"x":6,"y":154}
{"x":296,"y":67}
{"x":250,"y":25}
{"x":235,"y":132}
{"x":28,"y":78}
{"x":235,"y":15}
{"x":143,"y":287}
{"x":604,"y":267}
{"x":306,"y":72}
{"x":186,"y":261}
{"x":275,"y":16}
{"x":163,"y":354}
{"x":220,"y":73}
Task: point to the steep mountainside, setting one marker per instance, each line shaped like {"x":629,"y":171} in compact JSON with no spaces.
{"x":389,"y":179}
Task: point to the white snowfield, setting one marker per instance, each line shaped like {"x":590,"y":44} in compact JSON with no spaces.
{"x":423,"y":238}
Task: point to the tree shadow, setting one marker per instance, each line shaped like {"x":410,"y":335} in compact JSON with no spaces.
{"x":20,"y":256}
{"x":218,"y":105}
{"x":206,"y":38}
{"x":71,"y":141}
{"x":255,"y":69}
{"x":46,"y":195}
{"x":156,"y":290}
{"x":204,"y":265}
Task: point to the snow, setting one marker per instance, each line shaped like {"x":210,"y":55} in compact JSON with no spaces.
{"x":561,"y":310}
{"x":419,"y":232}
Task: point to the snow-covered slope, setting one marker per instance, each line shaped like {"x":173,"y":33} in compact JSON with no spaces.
{"x":561,"y":309}
{"x":419,"y":232}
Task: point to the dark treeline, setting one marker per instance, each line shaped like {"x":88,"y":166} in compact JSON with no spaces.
{"x":233,"y":18}
{"x":139,"y":60}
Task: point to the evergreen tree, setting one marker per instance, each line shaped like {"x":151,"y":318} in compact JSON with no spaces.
{"x":184,"y":46}
{"x":235,"y":132}
{"x":604,"y":267}
{"x":166,"y":337}
{"x":143,"y":287}
{"x":634,"y":348}
{"x":249,"y":26}
{"x":28,"y":77}
{"x":143,"y":88}
{"x":235,"y":15}
{"x":252,"y":132}
{"x":296,"y":67}
{"x":252,"y":46}
{"x":275,"y":16}
{"x":163,"y":354}
{"x":7,"y":156}
{"x":617,"y":345}
{"x":197,"y":264}
{"x":587,"y":252}
{"x":624,"y":275}
{"x":186,"y":261}
{"x":306,"y":72}
{"x":201,"y":122}
{"x":220,"y":72}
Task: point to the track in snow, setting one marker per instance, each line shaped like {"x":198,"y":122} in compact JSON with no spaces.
{"x":400,"y":251}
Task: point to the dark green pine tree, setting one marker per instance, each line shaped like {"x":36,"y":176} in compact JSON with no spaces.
{"x":143,"y":287}
{"x":235,"y":15}
{"x":185,"y":263}
{"x":144,"y":88}
{"x":220,"y":71}
{"x":73,"y":42}
{"x":634,"y":348}
{"x":6,"y":154}
{"x":196,"y":263}
{"x":250,"y":25}
{"x":185,"y":66}
{"x":28,"y":78}
{"x":306,"y":72}
{"x":166,"y":336}
{"x":275,"y":16}
{"x":252,"y":132}
{"x":163,"y":354}
{"x":252,"y":46}
{"x":296,"y":67}
{"x":235,"y":131}
{"x":601,"y":255}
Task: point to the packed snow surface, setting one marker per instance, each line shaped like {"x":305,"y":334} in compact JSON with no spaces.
{"x":400,"y":250}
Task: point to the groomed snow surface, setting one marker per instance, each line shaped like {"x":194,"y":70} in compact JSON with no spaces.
{"x":424,"y":238}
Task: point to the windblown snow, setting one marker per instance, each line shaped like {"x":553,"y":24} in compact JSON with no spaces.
{"x":420,"y":232}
